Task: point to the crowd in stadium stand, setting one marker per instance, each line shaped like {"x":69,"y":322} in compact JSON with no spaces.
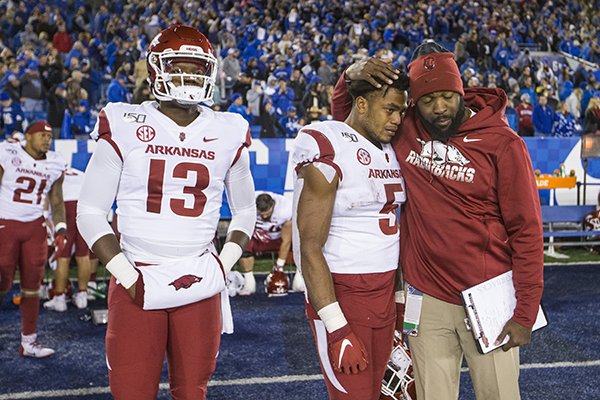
{"x":63,"y":60}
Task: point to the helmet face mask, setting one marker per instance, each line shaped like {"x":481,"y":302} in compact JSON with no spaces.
{"x":398,"y":381}
{"x":181,"y":66}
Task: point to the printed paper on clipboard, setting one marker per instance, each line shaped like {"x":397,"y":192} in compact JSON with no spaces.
{"x":489,"y":306}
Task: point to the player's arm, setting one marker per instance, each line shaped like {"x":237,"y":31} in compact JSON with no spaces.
{"x":522,"y":224}
{"x":286,"y":243}
{"x":315,"y":208}
{"x":239,"y":187}
{"x":97,"y":194}
{"x":57,"y":203}
{"x":1,"y":174}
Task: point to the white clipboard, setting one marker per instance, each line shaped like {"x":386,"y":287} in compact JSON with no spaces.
{"x":489,"y":305}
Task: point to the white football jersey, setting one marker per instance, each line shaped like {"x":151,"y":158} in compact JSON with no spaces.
{"x":172,"y":180}
{"x":282,"y":213}
{"x":72,"y":184}
{"x":363,"y":236}
{"x":26,"y":182}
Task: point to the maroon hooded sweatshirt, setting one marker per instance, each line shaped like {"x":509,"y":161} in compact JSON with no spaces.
{"x":473,"y":210}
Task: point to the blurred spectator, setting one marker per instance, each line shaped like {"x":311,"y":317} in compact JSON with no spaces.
{"x":57,"y":105}
{"x":511,"y":116}
{"x":231,"y":71}
{"x":254,"y":98}
{"x":142,"y":93}
{"x":32,"y":93}
{"x":283,"y":98}
{"x":574,"y":103}
{"x":564,"y":123}
{"x":12,"y":117}
{"x":325,"y":73}
{"x":543,"y":118}
{"x":13,"y":87}
{"x":313,"y":114}
{"x":268,"y":120}
{"x":314,"y":98}
{"x":291,"y":122}
{"x":81,"y":122}
{"x":238,"y":107}
{"x":75,"y":93}
{"x":116,"y":91}
{"x":592,"y":116}
{"x":62,"y":40}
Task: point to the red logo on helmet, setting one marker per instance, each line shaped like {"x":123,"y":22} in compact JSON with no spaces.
{"x":363,"y":156}
{"x":145,"y":133}
{"x":185,"y":281}
{"x":429,"y":63}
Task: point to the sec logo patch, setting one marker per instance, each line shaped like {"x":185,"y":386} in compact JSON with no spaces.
{"x":145,"y":133}
{"x":363,"y":156}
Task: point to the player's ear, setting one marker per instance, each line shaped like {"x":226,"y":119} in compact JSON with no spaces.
{"x":362,"y":104}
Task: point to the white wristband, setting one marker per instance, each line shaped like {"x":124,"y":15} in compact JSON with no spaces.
{"x":229,"y":255}
{"x":120,"y":267}
{"x":399,"y":296}
{"x":332,"y":316}
{"x":280,"y":262}
{"x":59,"y":226}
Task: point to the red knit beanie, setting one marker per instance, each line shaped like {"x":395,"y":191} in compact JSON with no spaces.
{"x":432,"y":73}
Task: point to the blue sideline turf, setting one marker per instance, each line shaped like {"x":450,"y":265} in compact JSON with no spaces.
{"x":273,"y":340}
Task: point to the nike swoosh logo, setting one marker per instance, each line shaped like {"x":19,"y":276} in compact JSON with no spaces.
{"x":2,"y":226}
{"x":467,"y":140}
{"x":345,"y":343}
{"x":206,"y":140}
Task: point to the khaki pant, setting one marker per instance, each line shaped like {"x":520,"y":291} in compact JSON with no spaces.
{"x":437,"y":354}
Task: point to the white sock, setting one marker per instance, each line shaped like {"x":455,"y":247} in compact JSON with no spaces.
{"x":28,"y":338}
{"x":248,"y":276}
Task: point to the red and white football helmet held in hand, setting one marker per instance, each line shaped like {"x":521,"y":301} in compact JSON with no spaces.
{"x":399,"y":382}
{"x":346,"y":351}
{"x":181,"y":44}
{"x":277,"y":283}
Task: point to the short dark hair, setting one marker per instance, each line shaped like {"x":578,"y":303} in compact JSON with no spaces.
{"x":264,"y":202}
{"x":364,"y":88}
{"x":428,"y":47}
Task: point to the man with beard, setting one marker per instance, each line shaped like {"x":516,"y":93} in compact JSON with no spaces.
{"x":473,"y":214}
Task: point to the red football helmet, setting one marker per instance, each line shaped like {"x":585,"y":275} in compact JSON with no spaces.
{"x":181,"y":44}
{"x":277,"y":283}
{"x":399,"y":382}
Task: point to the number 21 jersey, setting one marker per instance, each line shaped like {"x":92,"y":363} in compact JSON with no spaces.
{"x":26,"y":182}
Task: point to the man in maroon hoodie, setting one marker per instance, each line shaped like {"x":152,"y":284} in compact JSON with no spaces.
{"x":472,"y":213}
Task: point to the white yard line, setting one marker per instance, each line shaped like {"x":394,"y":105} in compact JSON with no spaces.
{"x":255,"y":381}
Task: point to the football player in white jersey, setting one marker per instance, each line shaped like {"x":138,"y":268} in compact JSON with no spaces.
{"x":28,"y":176}
{"x":71,"y":192}
{"x":272,"y":233}
{"x":348,"y":186}
{"x":170,"y":160}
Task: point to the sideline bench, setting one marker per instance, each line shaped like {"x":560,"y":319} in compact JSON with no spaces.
{"x":568,"y":214}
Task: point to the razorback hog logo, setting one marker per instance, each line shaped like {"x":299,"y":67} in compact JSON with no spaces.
{"x":441,"y":153}
{"x":185,"y":281}
{"x":429,"y":63}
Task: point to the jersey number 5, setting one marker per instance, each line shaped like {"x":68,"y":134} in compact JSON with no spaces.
{"x":181,"y":171}
{"x":389,"y":224}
